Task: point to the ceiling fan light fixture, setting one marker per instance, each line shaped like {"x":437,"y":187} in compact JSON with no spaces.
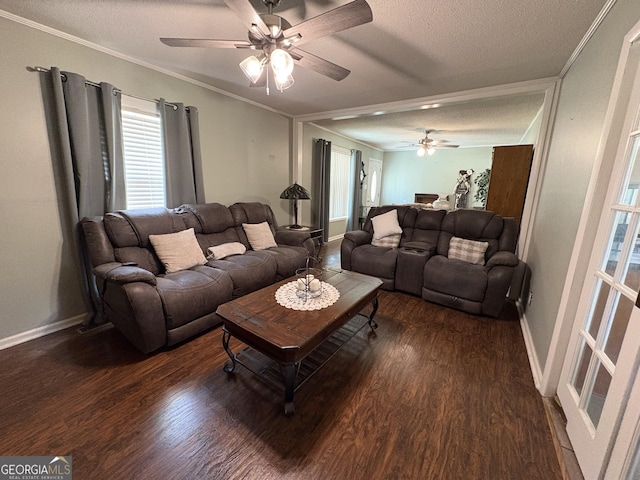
{"x":283,"y":82}
{"x":275,"y":29}
{"x":421,"y":151}
{"x":253,"y":67}
{"x":281,"y":63}
{"x":431,"y":150}
{"x":275,"y":36}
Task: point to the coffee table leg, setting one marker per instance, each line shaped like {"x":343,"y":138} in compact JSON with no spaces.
{"x":228,"y":367}
{"x":289,"y":388}
{"x":372,"y":322}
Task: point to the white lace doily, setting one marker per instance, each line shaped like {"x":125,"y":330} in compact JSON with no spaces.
{"x":287,"y":297}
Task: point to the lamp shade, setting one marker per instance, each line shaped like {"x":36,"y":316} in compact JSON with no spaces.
{"x":295,"y":192}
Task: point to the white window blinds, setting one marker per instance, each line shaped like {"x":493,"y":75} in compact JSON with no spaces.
{"x":339,"y":194}
{"x":143,"y":156}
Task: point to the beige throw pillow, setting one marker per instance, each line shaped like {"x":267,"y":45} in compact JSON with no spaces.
{"x":469,"y":251}
{"x":386,"y":224}
{"x":178,"y":251}
{"x":259,"y":235}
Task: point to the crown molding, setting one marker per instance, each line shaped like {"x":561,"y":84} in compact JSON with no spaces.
{"x":121,"y":56}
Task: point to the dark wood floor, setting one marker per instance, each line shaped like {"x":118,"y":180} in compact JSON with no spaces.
{"x":437,"y":394}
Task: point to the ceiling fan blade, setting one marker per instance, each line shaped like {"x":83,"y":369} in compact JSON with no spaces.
{"x":248,"y":15}
{"x":319,"y":65}
{"x":205,"y":42}
{"x":444,"y":145}
{"x":336,"y":20}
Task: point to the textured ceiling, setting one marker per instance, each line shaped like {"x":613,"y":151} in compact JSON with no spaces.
{"x":412,"y":49}
{"x":486,"y":122}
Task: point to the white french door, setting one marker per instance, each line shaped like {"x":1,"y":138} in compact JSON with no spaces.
{"x":604,"y":352}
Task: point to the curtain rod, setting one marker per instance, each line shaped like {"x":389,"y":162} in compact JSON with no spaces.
{"x":97,"y":85}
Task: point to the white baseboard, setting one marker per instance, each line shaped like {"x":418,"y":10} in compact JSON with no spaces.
{"x":534,"y":363}
{"x":336,"y":237}
{"x":40,"y":331}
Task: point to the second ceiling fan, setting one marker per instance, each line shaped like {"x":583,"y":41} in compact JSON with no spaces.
{"x":277,"y":42}
{"x":427,"y":145}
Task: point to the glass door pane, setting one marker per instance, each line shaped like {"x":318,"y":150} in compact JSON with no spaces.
{"x":582,"y":365}
{"x":629,"y":194}
{"x":598,"y":310}
{"x":618,"y":329}
{"x":598,"y":394}
{"x":618,"y":234}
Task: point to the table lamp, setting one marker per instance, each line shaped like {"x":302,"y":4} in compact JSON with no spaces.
{"x":295,"y":192}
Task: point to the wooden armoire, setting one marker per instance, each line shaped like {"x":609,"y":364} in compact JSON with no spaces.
{"x":510,"y":170}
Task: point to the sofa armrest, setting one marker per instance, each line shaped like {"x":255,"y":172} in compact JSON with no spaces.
{"x":351,"y":240}
{"x":122,"y":274}
{"x":358,"y":237}
{"x":503,"y":258}
{"x":291,"y":237}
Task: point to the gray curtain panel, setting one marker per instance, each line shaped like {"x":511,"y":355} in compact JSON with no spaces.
{"x":321,"y":161}
{"x":86,"y":118}
{"x":355,"y":194}
{"x":183,"y":159}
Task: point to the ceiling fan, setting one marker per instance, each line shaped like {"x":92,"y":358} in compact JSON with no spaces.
{"x":277,"y":41}
{"x":427,"y":145}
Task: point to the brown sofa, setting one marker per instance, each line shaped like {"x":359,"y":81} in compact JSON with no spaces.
{"x":421,"y":263}
{"x":153,"y":308}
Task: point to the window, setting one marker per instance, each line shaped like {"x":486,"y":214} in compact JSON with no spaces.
{"x":339,"y":194}
{"x":374,"y":186}
{"x":143,"y":156}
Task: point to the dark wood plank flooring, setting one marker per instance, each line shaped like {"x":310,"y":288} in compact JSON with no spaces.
{"x":436,"y":394}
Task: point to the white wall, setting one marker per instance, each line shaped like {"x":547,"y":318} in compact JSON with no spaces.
{"x":405,"y":173}
{"x":583,"y":101}
{"x":246,"y":156}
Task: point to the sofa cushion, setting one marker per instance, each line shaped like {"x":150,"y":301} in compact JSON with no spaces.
{"x":129,"y":230}
{"x":259,"y":235}
{"x":467,"y":250}
{"x":248,"y":272}
{"x":190,"y":294}
{"x":427,"y":227}
{"x":178,"y":251}
{"x":206,"y":217}
{"x":386,"y":224}
{"x":212,"y":222}
{"x":288,"y":259}
{"x":456,"y":278}
{"x":391,"y":241}
{"x":375,"y":261}
{"x":218,"y":252}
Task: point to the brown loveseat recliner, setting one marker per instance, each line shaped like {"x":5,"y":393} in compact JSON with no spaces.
{"x":153,"y":308}
{"x":421,"y":264}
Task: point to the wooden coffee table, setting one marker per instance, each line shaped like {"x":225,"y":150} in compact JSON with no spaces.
{"x":285,"y":337}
